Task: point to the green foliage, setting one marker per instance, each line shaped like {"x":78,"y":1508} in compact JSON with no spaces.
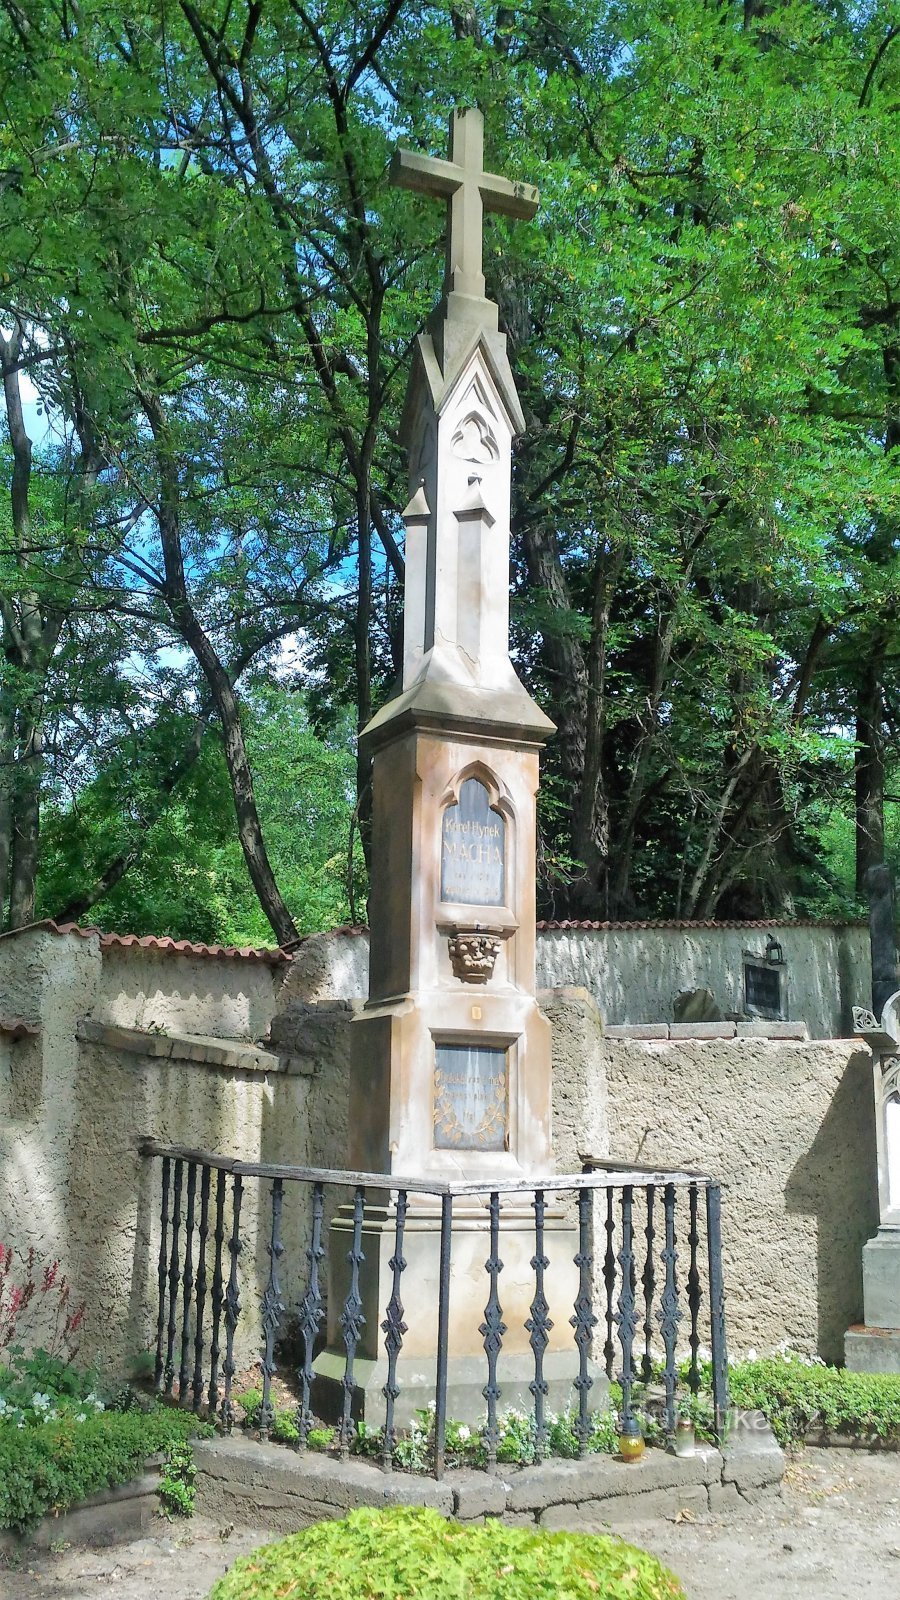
{"x":177,"y":1493}
{"x":795,"y":1395}
{"x":193,"y":881}
{"x":380,"y":1555}
{"x":321,"y":1438}
{"x":51,"y":1467}
{"x":250,"y":1402}
{"x":704,"y":322}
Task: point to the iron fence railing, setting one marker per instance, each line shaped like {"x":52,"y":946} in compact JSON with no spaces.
{"x":657,"y":1276}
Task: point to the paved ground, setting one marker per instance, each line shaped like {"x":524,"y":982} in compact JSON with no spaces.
{"x":835,"y":1536}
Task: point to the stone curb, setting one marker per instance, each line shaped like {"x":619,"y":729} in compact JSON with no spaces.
{"x":114,"y":1515}
{"x":240,"y":1479}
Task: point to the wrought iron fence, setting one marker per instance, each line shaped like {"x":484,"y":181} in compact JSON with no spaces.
{"x":656,"y":1276}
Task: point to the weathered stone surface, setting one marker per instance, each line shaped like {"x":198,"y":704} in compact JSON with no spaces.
{"x":724,"y":1497}
{"x":477,"y":1495}
{"x":872,"y":1349}
{"x":622,"y":1512}
{"x":701,"y":1030}
{"x":580,"y":1116}
{"x":751,"y":1458}
{"x":606,"y":1477}
{"x":639,"y":1030}
{"x":697,"y":1005}
{"x":233,"y":1054}
{"x":116,"y":1514}
{"x":241,"y":1477}
{"x":772,"y":1030}
{"x":789,"y":1129}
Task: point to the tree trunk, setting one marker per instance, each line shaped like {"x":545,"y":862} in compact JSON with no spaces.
{"x":221,"y":688}
{"x":7,"y":758}
{"x":26,"y":825}
{"x":363,"y":667}
{"x":879,"y":886}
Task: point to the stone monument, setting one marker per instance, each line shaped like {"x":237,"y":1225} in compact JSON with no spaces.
{"x":875,"y":1346}
{"x":450,"y":1072}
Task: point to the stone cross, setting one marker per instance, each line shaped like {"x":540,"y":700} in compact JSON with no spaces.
{"x":469,"y":191}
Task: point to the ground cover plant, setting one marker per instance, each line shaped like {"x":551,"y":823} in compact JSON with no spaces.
{"x":410,"y":1550}
{"x":62,"y":1441}
{"x":464,"y":1443}
{"x":797,"y":1394}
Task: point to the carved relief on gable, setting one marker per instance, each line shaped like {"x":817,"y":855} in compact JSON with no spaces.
{"x":474,"y":441}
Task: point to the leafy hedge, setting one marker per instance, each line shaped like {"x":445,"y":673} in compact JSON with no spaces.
{"x":796,"y":1395}
{"x":377,"y":1555}
{"x":51,"y":1467}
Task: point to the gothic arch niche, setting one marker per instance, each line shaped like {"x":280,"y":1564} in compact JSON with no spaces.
{"x":473,"y":843}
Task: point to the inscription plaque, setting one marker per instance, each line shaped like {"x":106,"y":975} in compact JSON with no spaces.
{"x":471,"y":1096}
{"x":473,"y":849}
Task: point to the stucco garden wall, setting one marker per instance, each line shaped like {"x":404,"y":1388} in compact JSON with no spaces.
{"x":788,"y":1126}
{"x":789,"y":1129}
{"x":112,"y":1063}
{"x":636,"y":973}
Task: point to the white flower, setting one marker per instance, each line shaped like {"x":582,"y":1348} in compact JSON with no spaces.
{"x":81,"y":1416}
{"x":464,"y":1433}
{"x":751,"y":1355}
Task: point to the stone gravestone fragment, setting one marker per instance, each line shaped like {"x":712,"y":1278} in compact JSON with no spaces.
{"x":473,"y":849}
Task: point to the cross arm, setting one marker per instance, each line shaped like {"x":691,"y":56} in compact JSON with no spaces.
{"x":430,"y":175}
{"x":426,"y":174}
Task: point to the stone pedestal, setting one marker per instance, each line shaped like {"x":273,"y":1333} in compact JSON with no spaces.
{"x":469,"y":1289}
{"x":874,"y":1346}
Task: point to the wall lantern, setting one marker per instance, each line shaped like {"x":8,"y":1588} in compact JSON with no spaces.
{"x":774,"y":952}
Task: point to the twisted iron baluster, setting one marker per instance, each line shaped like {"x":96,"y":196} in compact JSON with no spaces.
{"x":161,"y":1270}
{"x":272,"y":1309}
{"x":169,"y":1373}
{"x":625,"y":1316}
{"x":352,"y":1321}
{"x":717,"y":1308}
{"x":609,"y":1282}
{"x":693,"y":1292}
{"x":312,"y":1310}
{"x":670,"y":1314}
{"x":217,"y":1297}
{"x":493,"y":1328}
{"x":584,"y":1321}
{"x":539,"y":1326}
{"x":648,"y":1280}
{"x":394,"y":1328}
{"x":200,"y":1301}
{"x":187,"y":1283}
{"x":232,"y":1305}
